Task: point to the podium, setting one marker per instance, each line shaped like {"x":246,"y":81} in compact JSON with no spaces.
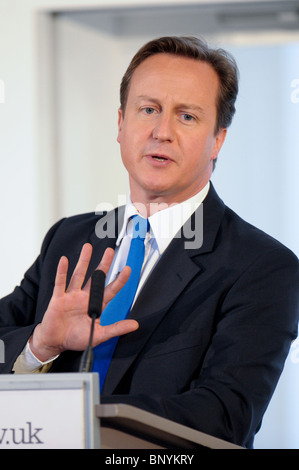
{"x":63,"y":411}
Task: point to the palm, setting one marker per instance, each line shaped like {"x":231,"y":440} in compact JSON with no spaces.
{"x":66,"y":323}
{"x":69,"y":324}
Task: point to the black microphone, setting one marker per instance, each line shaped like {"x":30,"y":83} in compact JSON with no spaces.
{"x":94,"y":311}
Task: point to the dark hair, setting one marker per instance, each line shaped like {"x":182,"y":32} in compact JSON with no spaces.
{"x":221,"y":61}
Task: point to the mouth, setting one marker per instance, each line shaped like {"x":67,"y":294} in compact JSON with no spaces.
{"x":159,"y":159}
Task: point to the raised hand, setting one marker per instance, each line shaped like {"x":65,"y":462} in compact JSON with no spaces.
{"x":66,"y":323}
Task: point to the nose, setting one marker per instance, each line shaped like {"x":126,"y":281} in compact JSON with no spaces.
{"x":163,"y":130}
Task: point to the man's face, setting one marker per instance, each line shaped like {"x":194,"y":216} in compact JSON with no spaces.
{"x":167,"y":133}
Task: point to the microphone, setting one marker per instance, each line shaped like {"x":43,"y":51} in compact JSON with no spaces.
{"x":94,"y":311}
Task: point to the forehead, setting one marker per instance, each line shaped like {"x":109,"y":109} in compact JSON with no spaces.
{"x":176,"y":75}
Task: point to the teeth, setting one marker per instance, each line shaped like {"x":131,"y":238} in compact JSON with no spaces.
{"x":159,"y":159}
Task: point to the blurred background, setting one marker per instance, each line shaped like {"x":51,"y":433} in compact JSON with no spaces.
{"x":61,"y":62}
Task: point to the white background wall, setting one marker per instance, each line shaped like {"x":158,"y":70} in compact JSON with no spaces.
{"x":18,"y":235}
{"x":58,"y":130}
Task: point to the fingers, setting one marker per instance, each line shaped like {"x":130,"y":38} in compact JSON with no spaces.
{"x":103,"y":266}
{"x":103,"y":333}
{"x":80,"y":271}
{"x":81,"y":268}
{"x":60,"y":280}
{"x":121,"y":328}
{"x":114,"y":287}
{"x":106,"y":260}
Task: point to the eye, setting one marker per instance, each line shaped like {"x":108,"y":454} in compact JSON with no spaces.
{"x":187,"y":117}
{"x":148,"y":110}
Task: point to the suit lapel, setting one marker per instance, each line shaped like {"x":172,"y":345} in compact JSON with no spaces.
{"x":176,"y":268}
{"x":102,"y":237}
{"x":105,"y":236}
{"x":149,"y":310}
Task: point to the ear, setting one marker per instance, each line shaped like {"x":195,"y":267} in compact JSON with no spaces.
{"x":120,"y":121}
{"x":220,"y":138}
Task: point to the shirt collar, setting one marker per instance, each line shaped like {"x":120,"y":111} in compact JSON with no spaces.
{"x":165,"y":223}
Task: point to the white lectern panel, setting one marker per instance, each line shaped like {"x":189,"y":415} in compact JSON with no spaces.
{"x":49,"y":411}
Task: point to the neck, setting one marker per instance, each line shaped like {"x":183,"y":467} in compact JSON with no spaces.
{"x":149,"y":205}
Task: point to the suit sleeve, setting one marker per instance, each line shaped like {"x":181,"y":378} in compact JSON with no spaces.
{"x":256,"y":323}
{"x":18,"y":309}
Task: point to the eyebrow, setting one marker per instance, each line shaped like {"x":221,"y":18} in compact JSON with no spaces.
{"x":192,"y":107}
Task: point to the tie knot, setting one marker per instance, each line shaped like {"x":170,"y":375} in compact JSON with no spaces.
{"x":141,"y":226}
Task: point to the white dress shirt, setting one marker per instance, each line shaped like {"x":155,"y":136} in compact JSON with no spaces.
{"x":164,"y":225}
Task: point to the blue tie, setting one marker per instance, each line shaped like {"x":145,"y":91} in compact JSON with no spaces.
{"x":120,"y":306}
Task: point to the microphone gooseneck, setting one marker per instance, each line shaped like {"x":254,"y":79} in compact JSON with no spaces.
{"x":94,"y":311}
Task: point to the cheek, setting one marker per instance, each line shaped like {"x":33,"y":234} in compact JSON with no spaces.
{"x":128,"y":151}
{"x":203,"y":149}
{"x":124,"y":142}
{"x":195,"y":151}
{"x":132,"y":145}
{"x":197,"y":157}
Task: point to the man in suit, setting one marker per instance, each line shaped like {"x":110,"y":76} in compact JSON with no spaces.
{"x":217,"y":302}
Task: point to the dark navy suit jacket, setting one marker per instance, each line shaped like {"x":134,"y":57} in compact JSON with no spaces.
{"x":216,"y":321}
